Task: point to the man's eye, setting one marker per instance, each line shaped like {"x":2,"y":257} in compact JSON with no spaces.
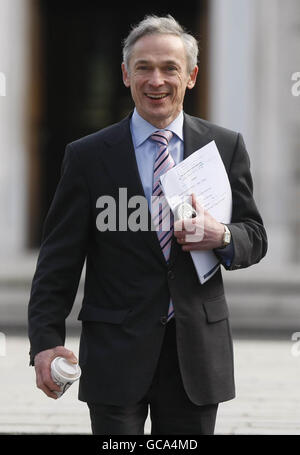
{"x":171,"y":68}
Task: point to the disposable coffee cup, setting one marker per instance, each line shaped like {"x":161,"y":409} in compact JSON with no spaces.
{"x":64,"y":373}
{"x":184,"y":211}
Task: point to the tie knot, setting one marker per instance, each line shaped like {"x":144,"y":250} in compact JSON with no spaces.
{"x":162,"y":137}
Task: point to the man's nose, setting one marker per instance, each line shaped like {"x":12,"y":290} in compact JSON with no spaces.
{"x":156,"y":78}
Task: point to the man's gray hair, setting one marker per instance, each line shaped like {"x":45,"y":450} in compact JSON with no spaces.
{"x":166,"y":25}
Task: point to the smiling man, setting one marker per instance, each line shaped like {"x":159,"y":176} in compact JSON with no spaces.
{"x":152,"y":335}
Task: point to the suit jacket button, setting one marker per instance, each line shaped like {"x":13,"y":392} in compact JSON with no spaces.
{"x":164,"y":320}
{"x":171,"y":275}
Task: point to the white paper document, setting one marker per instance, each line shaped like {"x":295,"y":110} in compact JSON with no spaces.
{"x":204,"y":174}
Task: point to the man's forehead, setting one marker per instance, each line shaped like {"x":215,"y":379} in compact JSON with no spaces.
{"x":164,"y":47}
{"x":158,"y":42}
{"x":148,"y":60}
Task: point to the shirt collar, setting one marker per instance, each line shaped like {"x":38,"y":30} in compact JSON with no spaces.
{"x":141,"y":129}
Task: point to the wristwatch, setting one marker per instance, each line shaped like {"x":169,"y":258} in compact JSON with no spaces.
{"x":226,"y":236}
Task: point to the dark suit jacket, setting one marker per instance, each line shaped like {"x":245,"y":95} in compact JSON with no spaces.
{"x":128,"y":283}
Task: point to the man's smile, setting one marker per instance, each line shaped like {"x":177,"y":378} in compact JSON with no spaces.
{"x":157,"y":96}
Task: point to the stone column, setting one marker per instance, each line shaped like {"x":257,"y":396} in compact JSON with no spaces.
{"x":251,"y":66}
{"x":14,"y":49}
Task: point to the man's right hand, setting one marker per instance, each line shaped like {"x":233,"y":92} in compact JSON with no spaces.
{"x":42,"y":362}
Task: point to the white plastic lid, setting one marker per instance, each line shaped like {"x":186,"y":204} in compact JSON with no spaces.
{"x":66,"y":368}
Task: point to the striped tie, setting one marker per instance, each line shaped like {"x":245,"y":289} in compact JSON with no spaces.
{"x":161,"y":214}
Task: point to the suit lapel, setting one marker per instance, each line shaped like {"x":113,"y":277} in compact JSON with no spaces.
{"x":195,"y":135}
{"x":120,"y":163}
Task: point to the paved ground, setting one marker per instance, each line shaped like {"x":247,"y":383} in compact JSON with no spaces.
{"x":267,"y":380}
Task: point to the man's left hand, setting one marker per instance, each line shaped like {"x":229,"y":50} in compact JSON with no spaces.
{"x":200,"y":233}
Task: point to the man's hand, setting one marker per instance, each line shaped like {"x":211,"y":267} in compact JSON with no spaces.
{"x":200,"y":233}
{"x":42,"y":363}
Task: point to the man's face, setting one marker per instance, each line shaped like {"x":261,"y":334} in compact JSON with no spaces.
{"x":158,"y":78}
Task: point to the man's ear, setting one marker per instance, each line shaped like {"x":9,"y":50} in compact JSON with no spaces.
{"x":192,"y":78}
{"x":125,"y":74}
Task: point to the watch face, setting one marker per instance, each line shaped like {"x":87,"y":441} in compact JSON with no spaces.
{"x":185,"y":210}
{"x":227,"y":236}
